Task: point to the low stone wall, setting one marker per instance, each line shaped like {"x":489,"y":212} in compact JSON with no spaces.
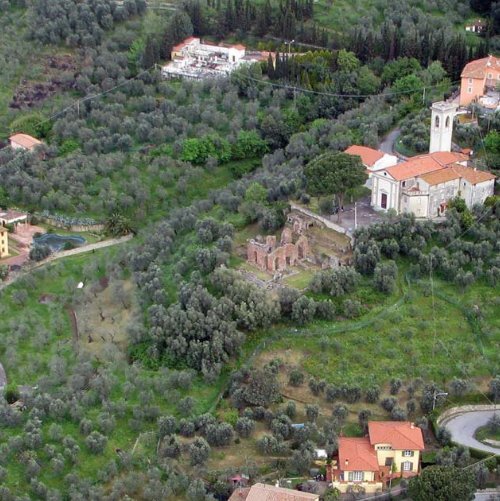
{"x":326,"y":222}
{"x":457,"y":411}
{"x":74,"y":227}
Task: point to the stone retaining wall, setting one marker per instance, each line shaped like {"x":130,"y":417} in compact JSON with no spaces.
{"x":457,"y":411}
{"x":73,"y":227}
{"x":326,"y":222}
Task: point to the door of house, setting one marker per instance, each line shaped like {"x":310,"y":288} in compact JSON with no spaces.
{"x":383,"y":202}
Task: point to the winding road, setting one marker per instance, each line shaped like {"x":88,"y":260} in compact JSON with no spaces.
{"x":387,"y":144}
{"x":463,"y":426}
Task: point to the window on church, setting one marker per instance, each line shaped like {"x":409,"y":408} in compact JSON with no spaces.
{"x":469,"y":90}
{"x":436,"y":122}
{"x":447,"y":124}
{"x":470,"y":80}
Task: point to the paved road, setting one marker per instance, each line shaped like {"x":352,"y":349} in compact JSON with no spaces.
{"x":463,"y":427}
{"x":487,"y":495}
{"x":387,"y":144}
{"x":3,"y":377}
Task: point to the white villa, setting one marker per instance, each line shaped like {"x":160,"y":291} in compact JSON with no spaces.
{"x":195,"y":59}
{"x":424,"y":184}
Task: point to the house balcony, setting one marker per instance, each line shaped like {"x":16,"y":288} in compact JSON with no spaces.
{"x":366,"y":487}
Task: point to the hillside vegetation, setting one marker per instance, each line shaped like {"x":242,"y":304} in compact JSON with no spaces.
{"x":169,"y":370}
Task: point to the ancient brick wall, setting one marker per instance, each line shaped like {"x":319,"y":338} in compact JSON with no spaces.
{"x":269,"y":257}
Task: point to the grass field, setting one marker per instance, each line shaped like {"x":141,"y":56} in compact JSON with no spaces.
{"x":418,"y":336}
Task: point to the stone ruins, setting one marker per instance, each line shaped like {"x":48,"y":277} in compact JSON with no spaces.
{"x":293,"y":247}
{"x":298,"y":244}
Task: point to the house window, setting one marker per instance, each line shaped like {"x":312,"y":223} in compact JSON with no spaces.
{"x":403,"y":184}
{"x":388,"y":461}
{"x":490,"y":76}
{"x":356,"y":476}
{"x":470,"y":80}
{"x":469,"y":90}
{"x":407,"y":453}
{"x":407,"y":466}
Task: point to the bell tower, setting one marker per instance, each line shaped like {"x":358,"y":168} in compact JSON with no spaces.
{"x":443,"y":114}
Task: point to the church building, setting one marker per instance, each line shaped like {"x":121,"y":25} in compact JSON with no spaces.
{"x":424,"y":184}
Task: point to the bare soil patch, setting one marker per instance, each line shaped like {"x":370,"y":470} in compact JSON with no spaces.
{"x":103,"y":320}
{"x":59,"y":73}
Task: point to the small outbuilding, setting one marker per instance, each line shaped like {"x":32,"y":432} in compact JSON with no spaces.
{"x":24,"y":142}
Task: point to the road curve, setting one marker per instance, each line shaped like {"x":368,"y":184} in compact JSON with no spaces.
{"x":387,"y":144}
{"x":463,"y":426}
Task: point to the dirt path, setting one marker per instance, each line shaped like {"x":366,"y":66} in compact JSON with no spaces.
{"x":59,"y":255}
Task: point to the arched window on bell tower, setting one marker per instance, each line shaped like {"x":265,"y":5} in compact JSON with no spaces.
{"x":447,"y":123}
{"x":436,"y":122}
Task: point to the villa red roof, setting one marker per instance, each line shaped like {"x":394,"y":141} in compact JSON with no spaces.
{"x":401,"y":435}
{"x":357,"y":454}
{"x":369,"y":156}
{"x":185,"y":42}
{"x":479,"y":67}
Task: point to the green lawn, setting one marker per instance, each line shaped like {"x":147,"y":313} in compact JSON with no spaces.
{"x":409,"y":337}
{"x":485,"y":433}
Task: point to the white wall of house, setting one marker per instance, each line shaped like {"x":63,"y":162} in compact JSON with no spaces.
{"x":416,"y":204}
{"x":384,"y":184}
{"x":476,"y":193}
{"x":17,"y":146}
{"x":439,"y":194}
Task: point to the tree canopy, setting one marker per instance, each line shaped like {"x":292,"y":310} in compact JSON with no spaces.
{"x":443,"y":483}
{"x":334,"y":174}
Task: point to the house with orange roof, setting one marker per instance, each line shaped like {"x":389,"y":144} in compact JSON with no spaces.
{"x":265,"y":492}
{"x":23,"y":142}
{"x":197,"y":59}
{"x":391,"y":448}
{"x":478,"y":77}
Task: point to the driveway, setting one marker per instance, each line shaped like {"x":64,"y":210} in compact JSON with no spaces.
{"x":365,"y":215}
{"x":463,"y":426}
{"x":387,"y":144}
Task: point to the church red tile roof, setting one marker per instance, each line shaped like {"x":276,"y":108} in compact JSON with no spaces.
{"x":401,"y":435}
{"x":369,"y":156}
{"x":422,"y":164}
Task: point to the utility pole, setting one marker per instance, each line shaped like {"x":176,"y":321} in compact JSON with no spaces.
{"x":437,"y":394}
